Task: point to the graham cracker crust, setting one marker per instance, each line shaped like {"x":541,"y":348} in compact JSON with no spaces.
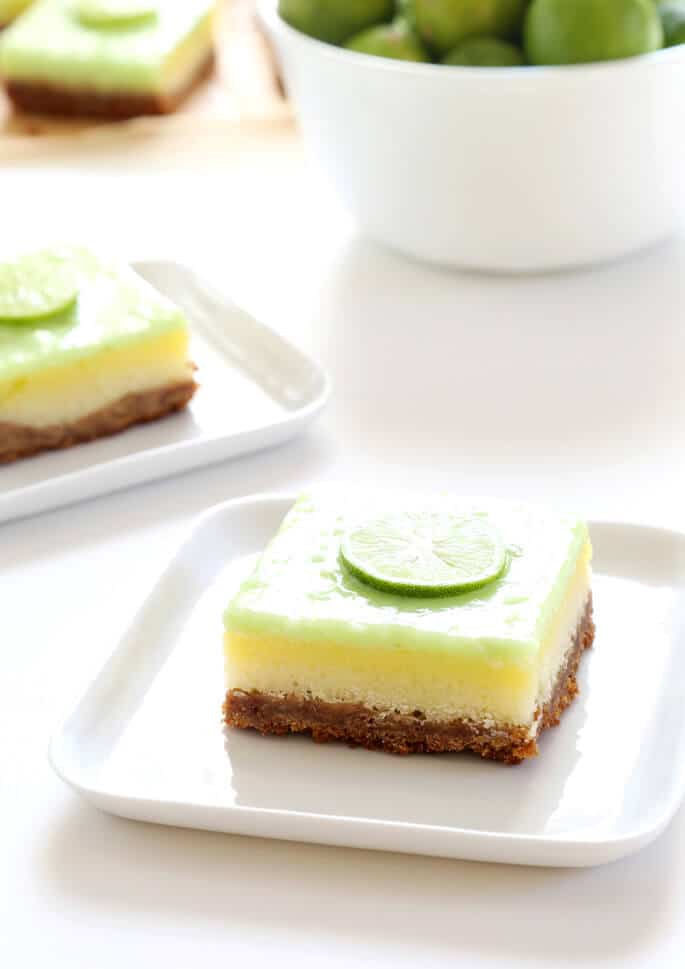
{"x":40,"y":98}
{"x":22,"y":441}
{"x":396,"y":733}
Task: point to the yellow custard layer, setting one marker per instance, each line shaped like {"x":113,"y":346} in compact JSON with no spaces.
{"x":442,"y":684}
{"x":70,"y":391}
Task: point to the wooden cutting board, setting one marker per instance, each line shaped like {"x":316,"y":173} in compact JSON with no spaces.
{"x":244,"y":87}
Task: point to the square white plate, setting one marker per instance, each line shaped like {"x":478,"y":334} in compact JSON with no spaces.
{"x":146,"y":740}
{"x":256,"y":390}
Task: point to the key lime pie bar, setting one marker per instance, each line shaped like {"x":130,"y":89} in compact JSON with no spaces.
{"x":412,"y":625}
{"x":87,"y":348}
{"x":109,"y":58}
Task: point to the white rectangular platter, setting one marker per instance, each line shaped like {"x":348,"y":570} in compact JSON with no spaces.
{"x":146,"y":740}
{"x":256,"y":390}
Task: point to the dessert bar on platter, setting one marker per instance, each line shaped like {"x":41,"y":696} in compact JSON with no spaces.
{"x":412,"y":624}
{"x":87,"y":348}
{"x":107,"y":58}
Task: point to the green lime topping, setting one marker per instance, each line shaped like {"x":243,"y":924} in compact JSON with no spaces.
{"x":424,"y":553}
{"x":112,"y":13}
{"x":36,"y":286}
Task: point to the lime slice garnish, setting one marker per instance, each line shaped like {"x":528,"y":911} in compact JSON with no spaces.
{"x":110,"y":13}
{"x":424,"y":553}
{"x":35,"y":286}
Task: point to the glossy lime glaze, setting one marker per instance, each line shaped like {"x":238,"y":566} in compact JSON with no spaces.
{"x":114,"y":308}
{"x":51,"y":44}
{"x":300,"y":590}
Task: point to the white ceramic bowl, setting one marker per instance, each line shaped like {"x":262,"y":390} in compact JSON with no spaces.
{"x":506,"y":169}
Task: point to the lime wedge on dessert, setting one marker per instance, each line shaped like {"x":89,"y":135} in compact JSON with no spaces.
{"x":36,"y":286}
{"x":112,"y":13}
{"x":424,"y":553}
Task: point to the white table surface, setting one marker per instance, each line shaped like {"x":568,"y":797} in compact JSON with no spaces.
{"x":564,"y":388}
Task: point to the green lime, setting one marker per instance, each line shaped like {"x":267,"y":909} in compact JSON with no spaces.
{"x":407,"y":9}
{"x":672,"y":13}
{"x":424,"y":553}
{"x":485,"y":52}
{"x":111,"y":13}
{"x":35,"y":286}
{"x":396,"y":40}
{"x":442,"y":24}
{"x":335,"y":21}
{"x":582,"y":31}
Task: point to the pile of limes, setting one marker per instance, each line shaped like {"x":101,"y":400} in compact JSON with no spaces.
{"x":492,"y":33}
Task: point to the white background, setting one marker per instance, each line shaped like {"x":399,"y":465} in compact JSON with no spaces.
{"x":562,"y":388}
